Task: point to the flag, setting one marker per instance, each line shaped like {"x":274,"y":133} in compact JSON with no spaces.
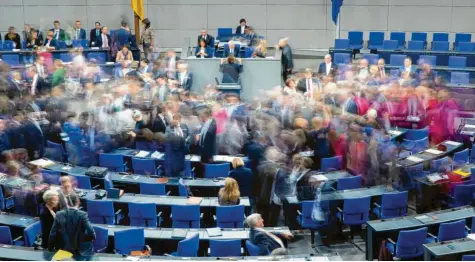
{"x":336,"y":5}
{"x":137,"y":6}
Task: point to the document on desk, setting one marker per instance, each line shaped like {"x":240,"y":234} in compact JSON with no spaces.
{"x":424,"y":219}
{"x":194,"y":200}
{"x":214,"y":232}
{"x":157,"y":155}
{"x":179,"y":233}
{"x":452,"y":143}
{"x":319,"y":177}
{"x":142,"y":154}
{"x":471,"y":236}
{"x":193,"y":158}
{"x":434,"y":151}
{"x":42,"y":162}
{"x":414,"y":159}
{"x":469,"y":126}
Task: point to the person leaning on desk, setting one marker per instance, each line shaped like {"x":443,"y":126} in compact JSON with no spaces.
{"x":203,"y":51}
{"x":230,"y":70}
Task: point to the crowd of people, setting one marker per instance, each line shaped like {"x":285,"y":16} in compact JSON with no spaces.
{"x":326,"y":111}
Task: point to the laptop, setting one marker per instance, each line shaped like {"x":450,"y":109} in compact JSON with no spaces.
{"x":113,"y":193}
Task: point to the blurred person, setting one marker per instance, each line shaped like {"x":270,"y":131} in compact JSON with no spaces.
{"x":308,"y":86}
{"x":357,"y":155}
{"x":51,"y":43}
{"x":139,"y":120}
{"x":382,"y":68}
{"x":251,"y":36}
{"x":440,"y":117}
{"x":229,"y":195}
{"x":79,"y":32}
{"x":14,"y":37}
{"x":184,"y":78}
{"x":95,"y":35}
{"x":426,"y":75}
{"x":261,"y":49}
{"x":5,"y":143}
{"x":32,"y":42}
{"x":159,"y":123}
{"x":206,"y":139}
{"x":347,"y":100}
{"x":363,"y":71}
{"x":123,"y":71}
{"x":59,"y":73}
{"x":202,"y":50}
{"x":171,"y":64}
{"x":327,"y":67}
{"x":287,"y":58}
{"x":231,"y":49}
{"x":305,"y":190}
{"x":322,"y":148}
{"x":34,"y":138}
{"x":147,"y":39}
{"x":209,"y":39}
{"x":162,"y":89}
{"x":124,"y":55}
{"x":408,"y":68}
{"x":72,"y":232}
{"x":265,"y":240}
{"x":241,"y":29}
{"x":66,"y":194}
{"x":290,"y":86}
{"x":51,"y":200}
{"x":178,"y":128}
{"x":230,"y":69}
{"x":26,"y":33}
{"x":17,"y":89}
{"x":123,"y":35}
{"x":243,"y":176}
{"x":58,"y":33}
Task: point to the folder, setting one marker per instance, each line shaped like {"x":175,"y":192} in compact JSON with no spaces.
{"x":62,"y":255}
{"x":179,"y":233}
{"x":214,"y":232}
{"x":194,"y":200}
{"x":162,"y":180}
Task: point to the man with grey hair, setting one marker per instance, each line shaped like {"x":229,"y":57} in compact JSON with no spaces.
{"x":327,"y":67}
{"x":265,"y":240}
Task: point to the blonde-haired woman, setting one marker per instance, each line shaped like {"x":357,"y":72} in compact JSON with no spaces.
{"x":229,"y":195}
{"x":261,"y":49}
{"x":243,"y":176}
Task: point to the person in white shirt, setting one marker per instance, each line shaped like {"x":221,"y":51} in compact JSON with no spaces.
{"x":381,"y":67}
{"x":307,"y":85}
{"x":79,"y":33}
{"x":290,"y":86}
{"x":363,"y":73}
{"x":327,"y":67}
{"x":185,"y":79}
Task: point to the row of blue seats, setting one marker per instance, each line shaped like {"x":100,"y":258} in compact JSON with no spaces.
{"x":66,"y":57}
{"x":8,"y":45}
{"x":413,"y":45}
{"x":376,"y":40}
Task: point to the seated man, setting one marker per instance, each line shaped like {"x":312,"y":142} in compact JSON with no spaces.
{"x":209,"y":39}
{"x":230,"y":70}
{"x":232,"y":49}
{"x":327,"y":67}
{"x":266,"y":241}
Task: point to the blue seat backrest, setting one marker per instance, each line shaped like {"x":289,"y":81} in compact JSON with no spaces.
{"x":342,"y":43}
{"x":440,"y":37}
{"x":390,"y":44}
{"x":457,"y":61}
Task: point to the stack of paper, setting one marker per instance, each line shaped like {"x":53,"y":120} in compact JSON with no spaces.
{"x":452,"y":143}
{"x":414,"y":159}
{"x":471,"y":236}
{"x":142,"y":154}
{"x":434,"y":151}
{"x":424,"y":219}
{"x":42,"y":162}
{"x":193,"y":158}
{"x":435,"y":178}
{"x":157,"y":155}
{"x":319,"y":177}
{"x":194,"y":200}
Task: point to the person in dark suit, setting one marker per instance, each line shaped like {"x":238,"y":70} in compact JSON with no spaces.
{"x":408,"y":68}
{"x":206,"y":139}
{"x":203,"y":51}
{"x":51,"y":43}
{"x":230,"y":70}
{"x":58,"y":33}
{"x":79,"y":33}
{"x":241,"y":28}
{"x":175,"y":151}
{"x":171,"y":63}
{"x":178,"y":128}
{"x":51,"y":199}
{"x":13,"y":36}
{"x":383,"y":73}
{"x":348,"y":103}
{"x":287,"y":58}
{"x":265,"y":240}
{"x":67,"y":195}
{"x":159,"y":123}
{"x":327,"y":67}
{"x":243,"y":176}
{"x":17,"y":88}
{"x":124,"y":35}
{"x":105,"y":42}
{"x":308,"y":86}
{"x":72,"y":232}
{"x":14,"y":130}
{"x":209,"y":39}
{"x":184,"y":78}
{"x":232,"y":49}
{"x":95,"y":35}
{"x":4,"y":137}
{"x":33,"y":41}
{"x":34,"y":138}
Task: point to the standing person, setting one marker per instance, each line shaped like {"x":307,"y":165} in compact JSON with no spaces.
{"x":58,"y":33}
{"x":327,"y":68}
{"x":26,"y":33}
{"x":67,"y":197}
{"x":59,"y":73}
{"x":241,"y":28}
{"x":79,"y":32}
{"x":95,"y":35}
{"x":206,"y":139}
{"x":287,"y":58}
{"x":147,"y":39}
{"x":51,"y":199}
{"x":72,"y":232}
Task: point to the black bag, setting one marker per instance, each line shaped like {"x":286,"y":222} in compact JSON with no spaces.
{"x":96,"y":171}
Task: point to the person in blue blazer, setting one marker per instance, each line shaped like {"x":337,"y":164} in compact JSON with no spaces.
{"x":349,"y":105}
{"x":327,"y":67}
{"x":203,"y":51}
{"x":124,"y":35}
{"x":243,"y":176}
{"x":230,"y":69}
{"x":51,"y":43}
{"x":79,"y":33}
{"x":34,"y":138}
{"x":175,"y":151}
{"x":232,"y":49}
{"x":184,"y":78}
{"x":206,"y":139}
{"x":409,"y":68}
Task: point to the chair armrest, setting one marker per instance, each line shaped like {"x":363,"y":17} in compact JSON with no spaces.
{"x":432,"y":236}
{"x":201,"y":216}
{"x":377,"y":205}
{"x":159,"y":214}
{"x":17,"y":239}
{"x":391,"y":241}
{"x":214,"y":217}
{"x":95,"y":187}
{"x":167,"y":255}
{"x":149,"y":249}
{"x":468,"y":229}
{"x":334,"y":189}
{"x":339,"y":209}
{"x":168,"y":193}
{"x":159,"y":166}
{"x":8,"y":198}
{"x":299,"y":213}
{"x":118,"y":212}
